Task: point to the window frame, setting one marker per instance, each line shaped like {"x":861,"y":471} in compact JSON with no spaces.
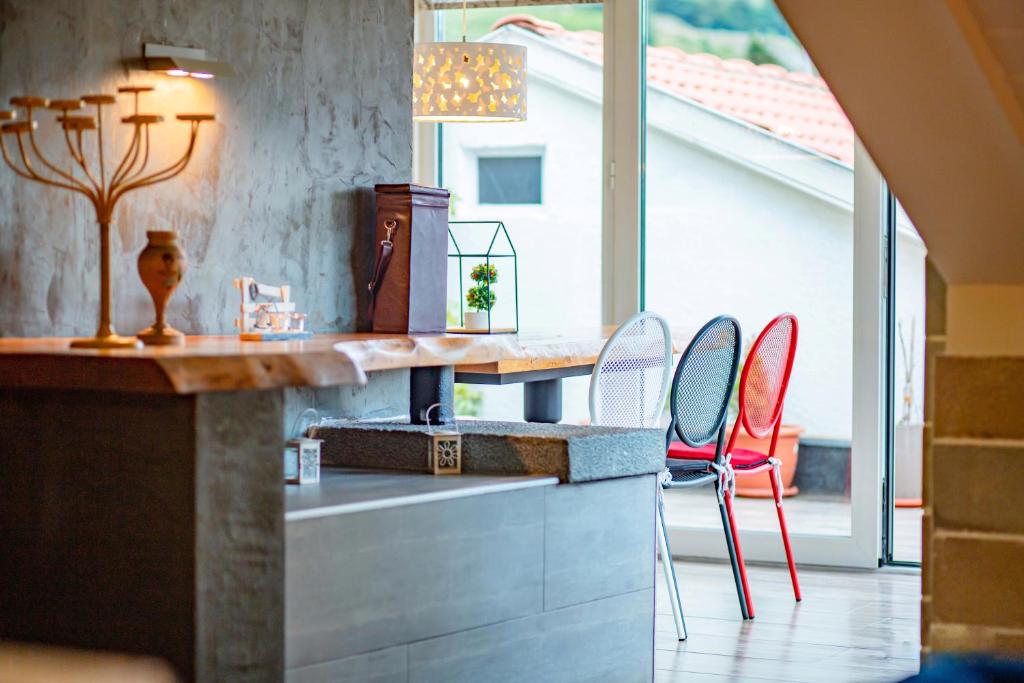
{"x":523,"y":152}
{"x":623,"y":244}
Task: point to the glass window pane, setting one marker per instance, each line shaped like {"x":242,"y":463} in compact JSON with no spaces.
{"x":749,"y":212}
{"x":509,"y":180}
{"x":908,"y":359}
{"x":541,"y":177}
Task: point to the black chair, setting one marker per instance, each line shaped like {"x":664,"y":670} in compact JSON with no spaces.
{"x":699,"y":402}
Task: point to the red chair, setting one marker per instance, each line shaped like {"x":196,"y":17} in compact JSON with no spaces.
{"x":762,"y":393}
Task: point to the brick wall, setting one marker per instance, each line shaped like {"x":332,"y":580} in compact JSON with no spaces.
{"x":974,"y":488}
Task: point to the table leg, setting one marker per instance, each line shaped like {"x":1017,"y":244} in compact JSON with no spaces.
{"x":542,"y":401}
{"x":428,"y":386}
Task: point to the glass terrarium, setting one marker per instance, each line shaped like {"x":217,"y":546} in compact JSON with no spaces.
{"x":483,"y":279}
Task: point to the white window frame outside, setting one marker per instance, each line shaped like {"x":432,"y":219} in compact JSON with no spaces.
{"x":622,"y":278}
{"x":518,"y":151}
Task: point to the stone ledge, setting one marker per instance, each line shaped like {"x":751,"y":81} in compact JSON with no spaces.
{"x":572,"y":453}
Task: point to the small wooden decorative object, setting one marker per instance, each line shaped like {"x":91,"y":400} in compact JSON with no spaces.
{"x":102,"y":186}
{"x":162,"y":264}
{"x":274,"y":320}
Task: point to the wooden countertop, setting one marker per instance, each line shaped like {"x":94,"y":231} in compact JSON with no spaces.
{"x":225,"y":363}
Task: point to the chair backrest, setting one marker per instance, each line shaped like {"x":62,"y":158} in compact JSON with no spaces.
{"x":703,"y":383}
{"x":765,"y":377}
{"x":631,"y":376}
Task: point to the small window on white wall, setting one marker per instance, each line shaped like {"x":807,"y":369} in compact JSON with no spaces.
{"x":509,"y":180}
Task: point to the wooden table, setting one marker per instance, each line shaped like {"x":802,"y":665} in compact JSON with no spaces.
{"x":214,"y":364}
{"x":546,"y":361}
{"x":223,"y":363}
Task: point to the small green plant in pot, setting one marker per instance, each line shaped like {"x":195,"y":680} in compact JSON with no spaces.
{"x":481,"y":297}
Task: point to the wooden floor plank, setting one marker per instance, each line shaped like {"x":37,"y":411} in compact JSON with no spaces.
{"x":852,"y":625}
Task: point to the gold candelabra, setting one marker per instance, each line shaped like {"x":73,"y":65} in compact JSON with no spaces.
{"x":102,"y":189}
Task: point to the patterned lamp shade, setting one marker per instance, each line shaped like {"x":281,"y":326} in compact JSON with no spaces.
{"x":469,"y":82}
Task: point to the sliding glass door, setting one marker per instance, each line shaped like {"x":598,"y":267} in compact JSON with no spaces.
{"x":542,"y":178}
{"x":907,"y":266}
{"x":759,"y":201}
{"x":686,"y":158}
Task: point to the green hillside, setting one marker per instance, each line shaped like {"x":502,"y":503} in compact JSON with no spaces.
{"x":747,"y":29}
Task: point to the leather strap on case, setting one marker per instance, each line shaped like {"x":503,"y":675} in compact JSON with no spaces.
{"x":380,"y":268}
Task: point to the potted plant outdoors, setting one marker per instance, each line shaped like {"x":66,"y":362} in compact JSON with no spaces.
{"x":481,"y":297}
{"x":909,"y":433}
{"x":787,"y":450}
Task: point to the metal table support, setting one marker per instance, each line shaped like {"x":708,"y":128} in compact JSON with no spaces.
{"x":542,"y":389}
{"x":428,"y":386}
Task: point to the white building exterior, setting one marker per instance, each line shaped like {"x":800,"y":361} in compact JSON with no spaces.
{"x":738,"y":221}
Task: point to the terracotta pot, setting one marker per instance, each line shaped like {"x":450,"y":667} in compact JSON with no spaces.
{"x":162,"y":264}
{"x":786,"y":450}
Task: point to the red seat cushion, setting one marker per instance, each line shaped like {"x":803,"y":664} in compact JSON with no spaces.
{"x":742,"y":458}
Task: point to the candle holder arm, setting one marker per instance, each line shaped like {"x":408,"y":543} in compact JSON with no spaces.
{"x":80,"y":158}
{"x":132,"y":154}
{"x":53,"y":168}
{"x":10,"y":163}
{"x":160,"y":176}
{"x":133,"y":173}
{"x":34,"y":175}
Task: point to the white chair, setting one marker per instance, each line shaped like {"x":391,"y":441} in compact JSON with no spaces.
{"x":628,"y":389}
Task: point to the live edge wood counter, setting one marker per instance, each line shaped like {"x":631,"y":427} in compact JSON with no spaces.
{"x":215,"y":364}
{"x":141,"y":505}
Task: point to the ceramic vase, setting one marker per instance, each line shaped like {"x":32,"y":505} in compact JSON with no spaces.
{"x":162,"y":264}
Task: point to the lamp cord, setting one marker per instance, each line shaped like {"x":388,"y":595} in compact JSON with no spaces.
{"x":463,"y":20}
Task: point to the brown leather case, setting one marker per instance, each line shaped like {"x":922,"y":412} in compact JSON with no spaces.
{"x":413,"y":293}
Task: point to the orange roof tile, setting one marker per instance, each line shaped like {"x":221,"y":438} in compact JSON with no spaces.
{"x":795,"y":106}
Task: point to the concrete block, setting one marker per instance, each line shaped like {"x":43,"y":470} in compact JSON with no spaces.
{"x":967,"y":638}
{"x":590,"y":554}
{"x":146,"y":524}
{"x":605,"y":640}
{"x":570,"y":452}
{"x":381,"y":666}
{"x":976,"y":580}
{"x":979,"y":397}
{"x":510,"y":651}
{"x":974,"y":480}
{"x":360,"y":582}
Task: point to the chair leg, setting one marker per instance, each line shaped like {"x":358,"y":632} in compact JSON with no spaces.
{"x":776,"y":478}
{"x":670,"y":570}
{"x":735,"y":559}
{"x":739,"y":555}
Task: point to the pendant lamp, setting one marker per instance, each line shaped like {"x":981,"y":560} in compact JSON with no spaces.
{"x":468,"y":82}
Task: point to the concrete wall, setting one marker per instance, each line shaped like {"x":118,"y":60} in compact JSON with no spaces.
{"x":280,"y":187}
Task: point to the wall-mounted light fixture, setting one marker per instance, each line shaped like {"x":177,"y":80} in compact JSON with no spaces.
{"x":183,"y":61}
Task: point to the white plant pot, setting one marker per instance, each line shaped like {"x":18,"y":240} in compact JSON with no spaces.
{"x":476,"y":320}
{"x":907,"y":443}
